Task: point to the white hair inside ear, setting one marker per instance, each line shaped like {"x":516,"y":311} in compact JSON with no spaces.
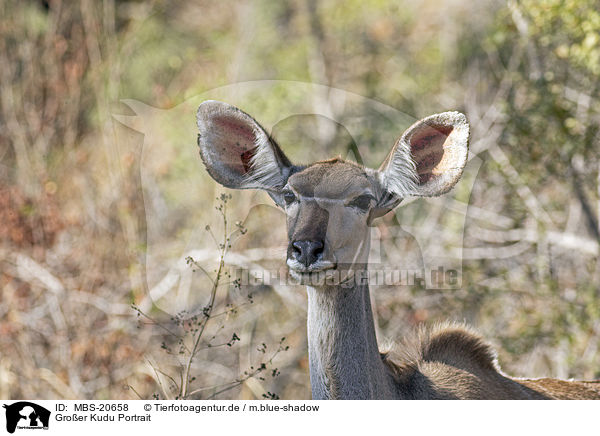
{"x":265,"y":169}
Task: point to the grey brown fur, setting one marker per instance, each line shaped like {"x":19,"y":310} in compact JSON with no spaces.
{"x":450,"y":361}
{"x":329,"y":207}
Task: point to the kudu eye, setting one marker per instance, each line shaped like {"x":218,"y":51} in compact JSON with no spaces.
{"x":289,"y":197}
{"x":362,"y":202}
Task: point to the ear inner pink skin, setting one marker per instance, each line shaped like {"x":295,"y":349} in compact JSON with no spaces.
{"x":240,"y":153}
{"x":427,"y":148}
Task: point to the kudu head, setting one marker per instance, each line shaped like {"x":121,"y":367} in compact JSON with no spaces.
{"x":330,"y":204}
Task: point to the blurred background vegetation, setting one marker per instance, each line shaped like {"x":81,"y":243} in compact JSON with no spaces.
{"x":96,"y":216}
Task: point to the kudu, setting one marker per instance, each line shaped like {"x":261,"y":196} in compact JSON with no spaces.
{"x":329,"y":206}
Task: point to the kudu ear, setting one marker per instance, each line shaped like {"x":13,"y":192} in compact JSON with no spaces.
{"x":237,"y":152}
{"x":426,"y":161}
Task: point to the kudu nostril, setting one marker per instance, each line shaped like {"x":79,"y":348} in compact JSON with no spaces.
{"x":307,"y":252}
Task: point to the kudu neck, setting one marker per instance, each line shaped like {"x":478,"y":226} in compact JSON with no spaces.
{"x":344,"y":357}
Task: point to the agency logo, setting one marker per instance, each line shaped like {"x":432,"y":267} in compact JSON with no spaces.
{"x":26,"y":415}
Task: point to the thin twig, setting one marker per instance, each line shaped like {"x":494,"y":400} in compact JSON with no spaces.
{"x":261,"y":368}
{"x":136,"y":392}
{"x":209,"y":307}
{"x":158,"y":380}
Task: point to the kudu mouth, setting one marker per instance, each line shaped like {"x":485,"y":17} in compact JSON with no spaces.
{"x":313,"y":273}
{"x":325,"y":273}
{"x":317,"y":267}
